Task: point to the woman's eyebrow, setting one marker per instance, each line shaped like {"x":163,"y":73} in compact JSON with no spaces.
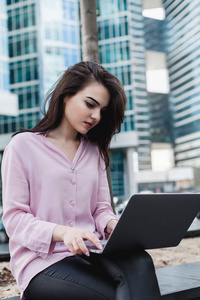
{"x":93,"y":100}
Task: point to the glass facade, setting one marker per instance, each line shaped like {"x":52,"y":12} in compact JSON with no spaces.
{"x":60,"y":40}
{"x":21,"y":16}
{"x":121,"y":47}
{"x":160,"y":119}
{"x":23,"y":67}
{"x":41,"y":45}
{"x":4,"y":66}
{"x":105,"y":8}
{"x":183,"y":45}
{"x":22,"y":44}
{"x":160,"y":113}
{"x":114,"y":51}
{"x":117,"y":173}
{"x":138,"y":82}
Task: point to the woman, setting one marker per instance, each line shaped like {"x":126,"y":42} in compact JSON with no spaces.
{"x":56,"y":196}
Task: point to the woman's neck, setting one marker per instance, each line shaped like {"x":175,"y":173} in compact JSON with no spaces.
{"x":63,"y":135}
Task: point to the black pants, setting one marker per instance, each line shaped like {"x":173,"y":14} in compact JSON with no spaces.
{"x":130,"y":276}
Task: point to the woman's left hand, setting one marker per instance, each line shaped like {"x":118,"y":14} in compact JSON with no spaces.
{"x":110,"y":226}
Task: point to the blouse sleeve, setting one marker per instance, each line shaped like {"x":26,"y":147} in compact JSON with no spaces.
{"x":21,"y":226}
{"x":103,"y":212}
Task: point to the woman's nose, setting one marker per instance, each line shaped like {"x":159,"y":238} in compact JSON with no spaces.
{"x":96,"y":115}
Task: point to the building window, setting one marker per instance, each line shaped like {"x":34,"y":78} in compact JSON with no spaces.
{"x":110,"y":7}
{"x":129,"y":104}
{"x":28,"y":96}
{"x":123,"y":73}
{"x":128,"y":124}
{"x":24,"y":70}
{"x":114,"y":52}
{"x":117,"y":173}
{"x":21,"y":17}
{"x":112,"y":28}
{"x":22,"y":44}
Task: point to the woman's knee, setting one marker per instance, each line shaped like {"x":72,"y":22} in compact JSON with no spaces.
{"x":136,"y":259}
{"x":145,"y":257}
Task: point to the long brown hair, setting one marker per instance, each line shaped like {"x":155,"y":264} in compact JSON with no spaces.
{"x":76,"y":78}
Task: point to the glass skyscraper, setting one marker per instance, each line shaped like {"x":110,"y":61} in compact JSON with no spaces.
{"x":160,"y":109}
{"x":41,"y":44}
{"x":183,"y":49}
{"x":8,"y":101}
{"x":4,"y":68}
{"x":121,"y":45}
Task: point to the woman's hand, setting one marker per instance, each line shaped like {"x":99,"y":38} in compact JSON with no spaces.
{"x":110,"y":226}
{"x":73,"y":239}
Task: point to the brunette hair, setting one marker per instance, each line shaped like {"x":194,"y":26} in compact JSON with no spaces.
{"x":75,"y":79}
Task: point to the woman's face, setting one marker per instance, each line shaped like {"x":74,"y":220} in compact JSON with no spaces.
{"x":83,"y":111}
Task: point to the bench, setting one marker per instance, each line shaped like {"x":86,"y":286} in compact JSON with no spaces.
{"x":180,"y":282}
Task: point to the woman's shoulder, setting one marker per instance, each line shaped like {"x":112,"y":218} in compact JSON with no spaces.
{"x":22,"y":139}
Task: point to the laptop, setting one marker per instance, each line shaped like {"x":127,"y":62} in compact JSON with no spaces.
{"x":151,"y":221}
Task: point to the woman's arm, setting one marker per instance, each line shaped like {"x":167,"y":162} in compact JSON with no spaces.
{"x":104,"y":213}
{"x":21,"y":225}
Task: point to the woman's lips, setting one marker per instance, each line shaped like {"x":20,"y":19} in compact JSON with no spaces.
{"x":89,"y":125}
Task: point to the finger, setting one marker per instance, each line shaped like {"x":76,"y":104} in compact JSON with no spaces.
{"x":71,"y":249}
{"x":78,"y":241}
{"x":94,"y":239}
{"x":82,"y":246}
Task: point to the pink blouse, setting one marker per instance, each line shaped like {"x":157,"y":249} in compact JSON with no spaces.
{"x":43,"y":188}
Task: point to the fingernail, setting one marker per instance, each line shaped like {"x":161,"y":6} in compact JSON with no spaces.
{"x":87,"y":253}
{"x":100,"y":247}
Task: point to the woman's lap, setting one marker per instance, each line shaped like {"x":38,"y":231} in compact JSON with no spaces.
{"x":73,"y":278}
{"x":129,"y":275}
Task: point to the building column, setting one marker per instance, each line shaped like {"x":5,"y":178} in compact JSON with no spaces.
{"x":131,"y":181}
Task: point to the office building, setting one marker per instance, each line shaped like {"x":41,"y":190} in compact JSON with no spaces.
{"x":183,"y":45}
{"x":121,"y":45}
{"x":160,"y":110}
{"x":41,"y":45}
{"x":8,"y":101}
{"x":177,"y":36}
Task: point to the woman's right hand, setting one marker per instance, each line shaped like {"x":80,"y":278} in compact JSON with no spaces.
{"x":73,"y":239}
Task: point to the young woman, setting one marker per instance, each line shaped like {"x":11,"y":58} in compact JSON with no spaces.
{"x":56,"y":196}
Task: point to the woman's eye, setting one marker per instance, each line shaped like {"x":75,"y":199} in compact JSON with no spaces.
{"x":89,"y":105}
